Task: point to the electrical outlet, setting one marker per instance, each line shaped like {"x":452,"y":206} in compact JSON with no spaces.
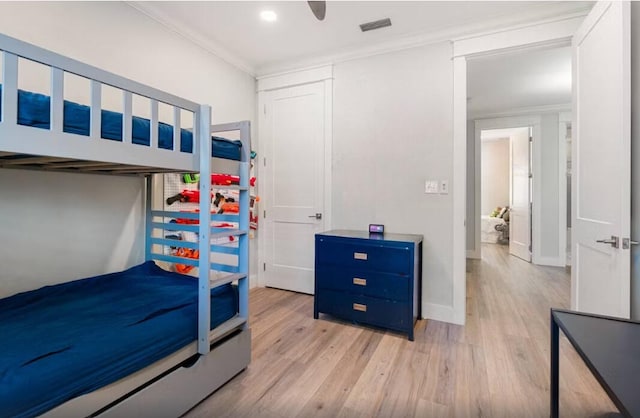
{"x":444,"y":187}
{"x":431,"y":186}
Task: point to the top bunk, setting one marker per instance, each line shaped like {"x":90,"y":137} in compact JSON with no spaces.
{"x":41,"y":129}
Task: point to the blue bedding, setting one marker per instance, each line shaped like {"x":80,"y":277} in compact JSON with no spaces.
{"x":34,"y":110}
{"x":62,"y":341}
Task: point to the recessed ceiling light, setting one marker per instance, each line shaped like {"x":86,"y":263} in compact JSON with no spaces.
{"x":268,"y":15}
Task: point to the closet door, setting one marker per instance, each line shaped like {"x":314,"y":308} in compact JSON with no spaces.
{"x":293,"y":174}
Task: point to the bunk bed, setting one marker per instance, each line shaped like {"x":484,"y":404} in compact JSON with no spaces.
{"x":144,"y":341}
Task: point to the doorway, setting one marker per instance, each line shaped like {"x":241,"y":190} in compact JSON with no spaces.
{"x":295,"y":173}
{"x":529,"y":89}
{"x":505,"y":189}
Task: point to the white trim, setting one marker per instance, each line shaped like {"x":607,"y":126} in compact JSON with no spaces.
{"x":547,"y":33}
{"x":459,"y":155}
{"x":474,"y":254}
{"x":459,"y":185}
{"x":459,"y":33}
{"x":190,"y":35}
{"x":295,"y":78}
{"x":253,"y":281}
{"x":564,"y":118}
{"x":477,"y":146}
{"x":524,"y":111}
{"x":444,"y":313}
{"x":260,"y":103}
{"x":551,"y":261}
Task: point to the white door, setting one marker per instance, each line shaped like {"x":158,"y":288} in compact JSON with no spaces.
{"x":520,"y":212}
{"x":601,"y":178}
{"x":293,"y":135}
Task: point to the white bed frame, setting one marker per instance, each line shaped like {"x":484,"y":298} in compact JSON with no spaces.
{"x":176,"y":383}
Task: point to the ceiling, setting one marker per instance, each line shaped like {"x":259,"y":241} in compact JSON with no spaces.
{"x":235,"y":32}
{"x":505,"y":83}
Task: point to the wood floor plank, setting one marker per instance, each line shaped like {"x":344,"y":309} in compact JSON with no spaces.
{"x":495,"y":366}
{"x":330,"y":397}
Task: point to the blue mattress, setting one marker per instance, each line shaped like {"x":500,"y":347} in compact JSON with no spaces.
{"x":34,"y":110}
{"x":62,"y":341}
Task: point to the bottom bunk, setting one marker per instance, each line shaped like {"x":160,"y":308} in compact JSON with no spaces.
{"x":65,"y":341}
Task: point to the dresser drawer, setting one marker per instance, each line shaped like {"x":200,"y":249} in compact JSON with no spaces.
{"x":365,"y":309}
{"x":362,"y":255}
{"x":370,"y":283}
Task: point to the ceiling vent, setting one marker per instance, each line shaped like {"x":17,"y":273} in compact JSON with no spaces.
{"x":382,"y":23}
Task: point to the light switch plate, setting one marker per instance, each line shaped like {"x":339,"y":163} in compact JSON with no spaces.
{"x":444,"y":187}
{"x":431,"y":186}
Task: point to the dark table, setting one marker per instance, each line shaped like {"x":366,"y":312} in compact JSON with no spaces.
{"x":610,"y":347}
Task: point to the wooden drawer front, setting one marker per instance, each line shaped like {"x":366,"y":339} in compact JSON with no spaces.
{"x":364,"y":256}
{"x":365,"y":309}
{"x":382,"y":285}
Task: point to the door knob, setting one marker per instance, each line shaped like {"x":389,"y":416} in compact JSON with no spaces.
{"x":628,"y":242}
{"x":614,"y":241}
{"x":317,"y":216}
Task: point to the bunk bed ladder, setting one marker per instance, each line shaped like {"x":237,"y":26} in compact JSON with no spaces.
{"x":243,"y":257}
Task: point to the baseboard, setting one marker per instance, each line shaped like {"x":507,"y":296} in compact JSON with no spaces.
{"x":253,"y":281}
{"x":549,"y":261}
{"x":444,"y":313}
{"x":473,"y":254}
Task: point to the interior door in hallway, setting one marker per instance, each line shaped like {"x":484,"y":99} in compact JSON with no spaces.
{"x":520,"y":194}
{"x":602,"y":166}
{"x":293,"y":166}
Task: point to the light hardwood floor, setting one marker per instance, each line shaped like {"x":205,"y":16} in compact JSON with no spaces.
{"x":495,"y":366}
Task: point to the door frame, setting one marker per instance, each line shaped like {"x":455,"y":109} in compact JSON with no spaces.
{"x":536,"y":167}
{"x":556,"y":32}
{"x":265,"y":84}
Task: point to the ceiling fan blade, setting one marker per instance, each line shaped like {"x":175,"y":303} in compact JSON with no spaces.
{"x":319,"y":8}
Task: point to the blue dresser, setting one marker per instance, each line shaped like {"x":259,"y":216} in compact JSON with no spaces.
{"x":369,"y":279}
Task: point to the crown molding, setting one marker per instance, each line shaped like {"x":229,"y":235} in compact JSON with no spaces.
{"x":416,"y":39}
{"x":187,"y":33}
{"x":464,"y":32}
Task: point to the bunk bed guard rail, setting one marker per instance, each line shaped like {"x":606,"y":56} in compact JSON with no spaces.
{"x":56,"y":143}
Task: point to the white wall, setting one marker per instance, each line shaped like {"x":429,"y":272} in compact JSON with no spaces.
{"x":635,"y":159}
{"x":60,"y":226}
{"x":392,"y":131}
{"x":495,"y":175}
{"x":550,"y":178}
{"x":88,"y":234}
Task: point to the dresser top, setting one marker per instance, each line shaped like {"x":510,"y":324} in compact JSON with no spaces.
{"x":374,"y":237}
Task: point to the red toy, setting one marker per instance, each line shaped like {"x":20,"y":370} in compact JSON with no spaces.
{"x":227,"y":179}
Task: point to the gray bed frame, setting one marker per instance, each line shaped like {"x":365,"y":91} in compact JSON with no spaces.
{"x":173,"y":385}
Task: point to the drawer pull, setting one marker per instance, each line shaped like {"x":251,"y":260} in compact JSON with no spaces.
{"x":359,"y":282}
{"x":360,"y":256}
{"x":359,"y":307}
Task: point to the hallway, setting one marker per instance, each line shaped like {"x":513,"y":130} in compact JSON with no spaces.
{"x":495,"y":366}
{"x":508,"y":303}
